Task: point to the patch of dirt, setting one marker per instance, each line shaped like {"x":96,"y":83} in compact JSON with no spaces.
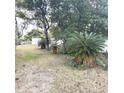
{"x":32,"y":79}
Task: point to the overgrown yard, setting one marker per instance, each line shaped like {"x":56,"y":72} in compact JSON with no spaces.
{"x":40,"y":71}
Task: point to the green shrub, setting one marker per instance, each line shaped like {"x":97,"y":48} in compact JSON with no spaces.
{"x":85,"y":46}
{"x":102,"y":61}
{"x":42,"y":43}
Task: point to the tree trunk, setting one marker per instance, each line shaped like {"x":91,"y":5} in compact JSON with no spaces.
{"x":46,"y":27}
{"x":89,"y":61}
{"x":47,"y":39}
{"x":64,"y":47}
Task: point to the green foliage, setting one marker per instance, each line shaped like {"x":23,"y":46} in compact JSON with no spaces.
{"x":80,"y":15}
{"x":66,"y":17}
{"x":18,"y":36}
{"x":19,"y":3}
{"x":102,"y":61}
{"x":27,"y":37}
{"x":33,"y":33}
{"x":21,"y":14}
{"x":55,"y":31}
{"x":85,"y":44}
{"x":58,"y":33}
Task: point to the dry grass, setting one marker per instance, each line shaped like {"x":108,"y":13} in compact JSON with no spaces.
{"x":48,"y":74}
{"x":27,"y":53}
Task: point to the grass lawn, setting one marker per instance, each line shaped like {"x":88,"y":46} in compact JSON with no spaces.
{"x":26,"y":53}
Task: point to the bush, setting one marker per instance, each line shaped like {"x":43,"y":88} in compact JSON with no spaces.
{"x":42,"y":44}
{"x":85,"y":47}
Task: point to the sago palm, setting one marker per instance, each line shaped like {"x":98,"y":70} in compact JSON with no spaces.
{"x":85,"y":46}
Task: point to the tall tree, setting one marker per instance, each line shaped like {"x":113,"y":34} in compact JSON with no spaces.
{"x":37,"y":11}
{"x":78,"y":15}
{"x":81,"y":15}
